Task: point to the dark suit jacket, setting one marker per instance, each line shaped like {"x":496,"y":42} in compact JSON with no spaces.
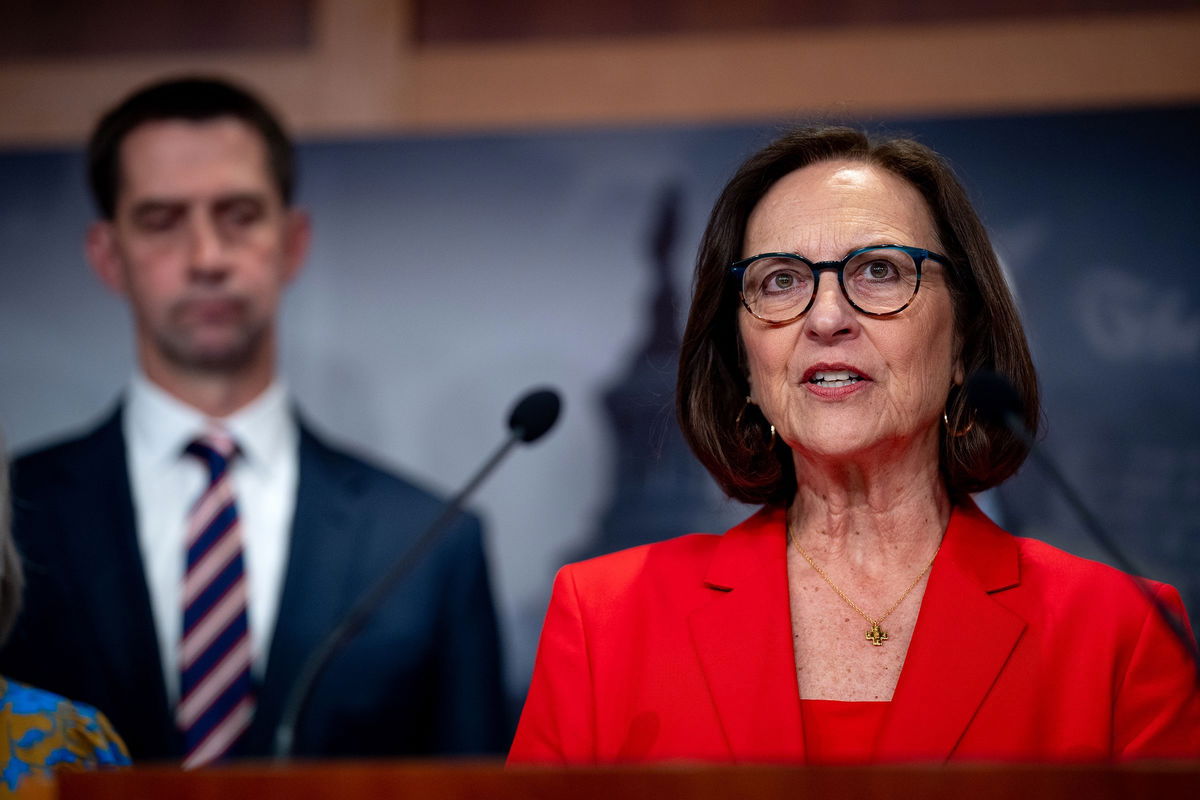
{"x":422,"y":678}
{"x":1021,"y":652}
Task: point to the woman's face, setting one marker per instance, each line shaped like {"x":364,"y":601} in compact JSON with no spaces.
{"x":900,"y":368}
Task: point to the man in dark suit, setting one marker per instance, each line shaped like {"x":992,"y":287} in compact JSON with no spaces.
{"x":184,"y":557}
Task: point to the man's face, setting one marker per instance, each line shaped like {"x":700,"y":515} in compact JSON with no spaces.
{"x":200,"y":244}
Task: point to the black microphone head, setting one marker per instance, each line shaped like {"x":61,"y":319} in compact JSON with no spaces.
{"x":994,"y":399}
{"x":534,"y":414}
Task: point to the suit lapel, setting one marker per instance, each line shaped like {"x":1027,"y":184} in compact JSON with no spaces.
{"x":106,"y":565}
{"x":963,"y":638}
{"x":316,"y":584}
{"x":961,"y":642}
{"x":742,"y":635}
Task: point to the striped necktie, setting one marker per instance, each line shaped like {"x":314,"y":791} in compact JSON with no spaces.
{"x":216,"y":691}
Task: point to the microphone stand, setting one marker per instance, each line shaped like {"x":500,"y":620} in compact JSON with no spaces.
{"x":995,"y":397}
{"x":370,"y":601}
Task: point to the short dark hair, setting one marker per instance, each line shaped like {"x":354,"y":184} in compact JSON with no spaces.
{"x":197,"y":99}
{"x":712,"y":387}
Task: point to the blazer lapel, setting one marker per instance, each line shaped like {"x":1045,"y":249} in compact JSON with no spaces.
{"x":316,"y":583}
{"x":960,"y":644}
{"x":742,"y":635}
{"x":105,"y":560}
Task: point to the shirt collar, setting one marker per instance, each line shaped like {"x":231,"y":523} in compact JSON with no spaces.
{"x":163,"y":425}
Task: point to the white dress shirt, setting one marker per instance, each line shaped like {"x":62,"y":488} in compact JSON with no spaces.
{"x":165,"y":482}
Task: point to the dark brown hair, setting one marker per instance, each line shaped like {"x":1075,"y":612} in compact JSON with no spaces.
{"x":195,"y":99}
{"x":711,"y":391}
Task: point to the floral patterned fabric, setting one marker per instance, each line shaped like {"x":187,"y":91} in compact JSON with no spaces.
{"x":42,"y":733}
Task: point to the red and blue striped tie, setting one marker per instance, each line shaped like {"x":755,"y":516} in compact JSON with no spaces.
{"x":216,"y":691}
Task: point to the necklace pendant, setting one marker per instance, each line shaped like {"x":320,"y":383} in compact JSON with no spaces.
{"x":876,"y":636}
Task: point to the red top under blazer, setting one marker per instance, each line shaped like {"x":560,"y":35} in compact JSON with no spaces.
{"x":683,"y":650}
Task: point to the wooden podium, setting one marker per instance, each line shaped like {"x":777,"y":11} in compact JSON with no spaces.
{"x":451,"y":781}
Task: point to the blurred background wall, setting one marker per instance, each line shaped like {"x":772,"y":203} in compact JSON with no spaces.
{"x":511,"y":193}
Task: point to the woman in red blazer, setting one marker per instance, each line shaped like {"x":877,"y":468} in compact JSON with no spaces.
{"x":869,"y":613}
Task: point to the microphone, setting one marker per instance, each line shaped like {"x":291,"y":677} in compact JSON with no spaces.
{"x":531,"y":418}
{"x":996,"y":401}
{"x":535,"y":414}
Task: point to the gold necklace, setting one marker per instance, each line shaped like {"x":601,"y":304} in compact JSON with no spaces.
{"x":877,"y":635}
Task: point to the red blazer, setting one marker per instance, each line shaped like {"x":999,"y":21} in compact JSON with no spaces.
{"x":1021,"y":652}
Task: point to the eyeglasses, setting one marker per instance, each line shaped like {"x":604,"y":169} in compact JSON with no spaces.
{"x":878,"y":281}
